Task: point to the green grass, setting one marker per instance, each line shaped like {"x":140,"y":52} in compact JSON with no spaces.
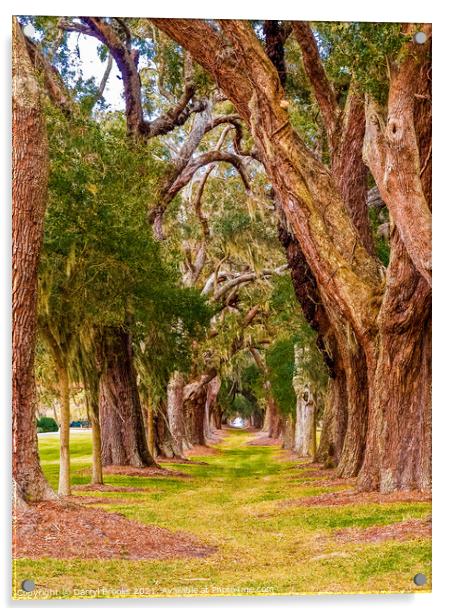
{"x":232,"y":503}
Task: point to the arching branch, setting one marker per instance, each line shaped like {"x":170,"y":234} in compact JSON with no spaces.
{"x":171,"y":189}
{"x":203,"y":160}
{"x":307,"y":190}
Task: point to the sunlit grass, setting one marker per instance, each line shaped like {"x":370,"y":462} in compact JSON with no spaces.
{"x":234,"y":503}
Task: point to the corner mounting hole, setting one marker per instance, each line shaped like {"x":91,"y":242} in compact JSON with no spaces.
{"x":28,"y":585}
{"x":420,"y":579}
{"x":420,"y":38}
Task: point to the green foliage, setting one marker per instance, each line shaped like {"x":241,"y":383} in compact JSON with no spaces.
{"x":291,"y":331}
{"x":361,"y":50}
{"x":281,"y":366}
{"x":100,"y":265}
{"x":47,"y":424}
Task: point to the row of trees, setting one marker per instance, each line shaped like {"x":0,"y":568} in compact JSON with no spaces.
{"x":252,"y":169}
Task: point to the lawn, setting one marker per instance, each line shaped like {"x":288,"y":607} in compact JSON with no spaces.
{"x":238,"y":501}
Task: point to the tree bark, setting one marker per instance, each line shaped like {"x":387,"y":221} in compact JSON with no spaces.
{"x":122,"y":426}
{"x":150,"y":428}
{"x":194,"y":407}
{"x":357,"y":399}
{"x":217,"y":417}
{"x":194,"y":401}
{"x":288,"y":432}
{"x":64,"y":429}
{"x":334,"y":424}
{"x":305,"y":428}
{"x":212,"y":392}
{"x":165,"y":444}
{"x":175,"y":411}
{"x":275,"y":420}
{"x":90,"y":375}
{"x":398,"y":452}
{"x":29,"y":196}
{"x":97,"y":469}
{"x":398,"y":154}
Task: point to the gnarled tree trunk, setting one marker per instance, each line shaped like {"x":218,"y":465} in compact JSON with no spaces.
{"x":29,"y":195}
{"x":194,"y":401}
{"x":124,"y":440}
{"x":275,"y":420}
{"x":398,"y":453}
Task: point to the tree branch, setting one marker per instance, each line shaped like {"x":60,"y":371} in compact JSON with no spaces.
{"x":205,"y":159}
{"x":180,"y":176}
{"x":103,"y":82}
{"x":53,"y":83}
{"x":127,"y":60}
{"x":322,"y":88}
{"x":247,"y":277}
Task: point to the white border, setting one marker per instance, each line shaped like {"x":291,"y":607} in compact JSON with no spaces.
{"x":380,"y":10}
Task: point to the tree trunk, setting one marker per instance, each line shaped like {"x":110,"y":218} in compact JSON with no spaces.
{"x":355,"y":369}
{"x":195,"y":413}
{"x":150,"y":428}
{"x":287,"y":431}
{"x":175,"y":411}
{"x":122,"y":426}
{"x":194,"y":401}
{"x":274,"y":418}
{"x":91,"y":377}
{"x":29,"y":194}
{"x":334,"y":422}
{"x":217,"y":417}
{"x":305,"y":428}
{"x":402,"y":414}
{"x":212,"y":392}
{"x":165,"y":444}
{"x":398,"y":453}
{"x":64,"y":430}
{"x":97,"y":470}
{"x":257,"y":420}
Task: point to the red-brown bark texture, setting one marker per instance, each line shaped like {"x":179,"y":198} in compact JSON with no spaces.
{"x":123,"y":438}
{"x":29,"y":195}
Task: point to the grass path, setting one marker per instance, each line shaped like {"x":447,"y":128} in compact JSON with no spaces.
{"x":233,"y":503}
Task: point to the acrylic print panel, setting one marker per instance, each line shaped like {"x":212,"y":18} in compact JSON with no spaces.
{"x":221,"y":307}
